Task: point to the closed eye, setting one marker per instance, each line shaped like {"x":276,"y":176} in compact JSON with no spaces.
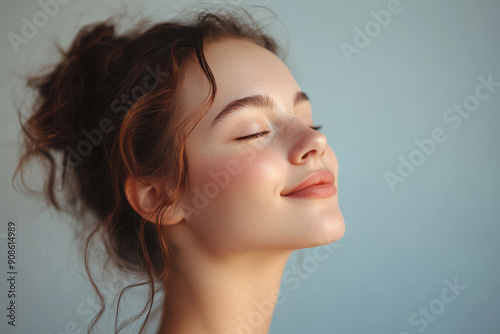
{"x":263,"y":133}
{"x":256,"y":135}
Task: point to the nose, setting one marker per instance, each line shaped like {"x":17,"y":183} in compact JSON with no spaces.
{"x":308,"y":144}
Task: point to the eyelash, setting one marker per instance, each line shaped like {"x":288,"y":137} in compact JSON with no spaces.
{"x":260,"y":134}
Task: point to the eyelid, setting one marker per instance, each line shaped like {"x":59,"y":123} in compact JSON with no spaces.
{"x":263,"y":133}
{"x":255,"y":135}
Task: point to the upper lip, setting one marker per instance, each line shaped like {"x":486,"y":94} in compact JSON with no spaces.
{"x":316,"y":177}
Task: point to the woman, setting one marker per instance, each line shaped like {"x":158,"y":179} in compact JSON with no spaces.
{"x":193,"y":150}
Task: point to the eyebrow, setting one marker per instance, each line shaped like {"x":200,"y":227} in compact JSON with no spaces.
{"x":256,"y":101}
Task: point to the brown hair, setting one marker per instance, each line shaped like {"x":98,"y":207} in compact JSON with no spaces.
{"x":107,"y":110}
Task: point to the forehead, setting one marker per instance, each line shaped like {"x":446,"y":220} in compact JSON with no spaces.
{"x":240,"y":68}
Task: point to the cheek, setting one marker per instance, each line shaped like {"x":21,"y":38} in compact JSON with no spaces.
{"x":247,"y":175}
{"x":244,"y":199}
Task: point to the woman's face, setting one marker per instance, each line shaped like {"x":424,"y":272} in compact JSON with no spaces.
{"x":234,"y":202}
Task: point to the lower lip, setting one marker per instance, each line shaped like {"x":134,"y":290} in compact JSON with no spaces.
{"x":316,"y":191}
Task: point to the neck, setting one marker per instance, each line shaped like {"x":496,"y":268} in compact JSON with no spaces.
{"x":230,"y":294}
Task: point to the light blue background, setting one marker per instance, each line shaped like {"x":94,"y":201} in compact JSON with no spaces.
{"x":400,"y":246}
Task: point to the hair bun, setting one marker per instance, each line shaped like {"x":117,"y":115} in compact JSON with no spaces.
{"x":66,"y":91}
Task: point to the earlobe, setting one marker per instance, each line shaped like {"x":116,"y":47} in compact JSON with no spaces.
{"x":143,"y":198}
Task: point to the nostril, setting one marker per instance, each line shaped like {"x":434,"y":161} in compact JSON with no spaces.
{"x":305,"y":155}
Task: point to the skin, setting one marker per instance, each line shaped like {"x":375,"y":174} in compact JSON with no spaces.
{"x":233,"y":250}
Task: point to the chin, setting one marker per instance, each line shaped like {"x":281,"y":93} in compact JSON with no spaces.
{"x":327,"y":231}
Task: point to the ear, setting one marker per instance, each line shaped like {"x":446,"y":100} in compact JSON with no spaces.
{"x":143,"y":198}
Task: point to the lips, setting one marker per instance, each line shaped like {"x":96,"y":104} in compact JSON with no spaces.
{"x":323,"y":177}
